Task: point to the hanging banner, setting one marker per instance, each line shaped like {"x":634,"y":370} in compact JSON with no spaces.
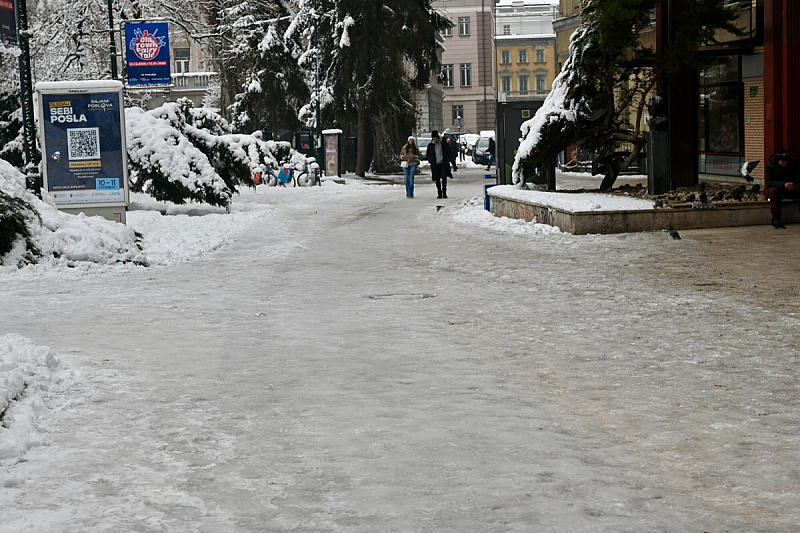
{"x":147,"y":53}
{"x":8,"y":23}
{"x":82,"y":126}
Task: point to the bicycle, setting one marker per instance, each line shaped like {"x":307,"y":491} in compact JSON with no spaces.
{"x":305,"y":176}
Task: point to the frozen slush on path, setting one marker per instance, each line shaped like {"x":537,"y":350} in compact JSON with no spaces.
{"x":31,"y":380}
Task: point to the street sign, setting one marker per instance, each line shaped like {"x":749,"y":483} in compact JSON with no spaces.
{"x":8,"y":23}
{"x":147,"y":53}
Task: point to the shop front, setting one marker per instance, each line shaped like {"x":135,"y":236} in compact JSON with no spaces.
{"x":721,"y":118}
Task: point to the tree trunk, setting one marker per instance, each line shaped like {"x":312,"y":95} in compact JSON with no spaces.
{"x":361,"y":151}
{"x":612,"y":171}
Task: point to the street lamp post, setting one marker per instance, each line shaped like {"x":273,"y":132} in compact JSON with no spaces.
{"x":113,"y":47}
{"x":33,"y":180}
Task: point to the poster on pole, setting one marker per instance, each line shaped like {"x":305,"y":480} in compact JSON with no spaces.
{"x":8,"y":23}
{"x":147,"y":53}
{"x":82,"y":131}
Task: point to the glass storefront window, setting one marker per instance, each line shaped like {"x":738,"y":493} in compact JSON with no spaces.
{"x":721,"y":117}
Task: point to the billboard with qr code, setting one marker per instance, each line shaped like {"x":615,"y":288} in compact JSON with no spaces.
{"x":82,"y":130}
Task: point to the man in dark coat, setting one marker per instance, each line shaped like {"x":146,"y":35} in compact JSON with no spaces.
{"x":783,"y":181}
{"x":438,"y":155}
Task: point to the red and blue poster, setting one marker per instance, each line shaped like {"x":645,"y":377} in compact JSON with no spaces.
{"x":147,"y":53}
{"x":8,"y":23}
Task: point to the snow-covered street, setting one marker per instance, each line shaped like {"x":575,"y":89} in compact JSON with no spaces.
{"x":342,"y":358}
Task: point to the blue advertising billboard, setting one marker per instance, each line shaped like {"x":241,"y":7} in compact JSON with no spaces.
{"x":8,"y":23}
{"x":147,"y":53}
{"x":82,"y":127}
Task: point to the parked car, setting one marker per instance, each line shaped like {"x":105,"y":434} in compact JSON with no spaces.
{"x":423,"y":140}
{"x":480,"y":152}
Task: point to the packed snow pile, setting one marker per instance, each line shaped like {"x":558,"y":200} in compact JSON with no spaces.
{"x":32,"y":379}
{"x":572,"y":202}
{"x":57,"y":238}
{"x":473,"y":213}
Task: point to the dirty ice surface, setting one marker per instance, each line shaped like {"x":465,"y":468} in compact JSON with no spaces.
{"x":341,"y":358}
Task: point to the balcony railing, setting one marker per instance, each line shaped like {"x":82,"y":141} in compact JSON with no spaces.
{"x":193,"y":80}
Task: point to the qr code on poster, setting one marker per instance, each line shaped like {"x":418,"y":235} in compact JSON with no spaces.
{"x":83,"y":143}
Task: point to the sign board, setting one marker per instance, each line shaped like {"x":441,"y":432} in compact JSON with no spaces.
{"x":332,"y":152}
{"x":82,"y":132}
{"x":8,"y":22}
{"x":147,"y":53}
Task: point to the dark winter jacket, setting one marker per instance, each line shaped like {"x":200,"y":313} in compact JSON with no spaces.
{"x":430,"y":153}
{"x":777,"y":175}
{"x":491,"y":146}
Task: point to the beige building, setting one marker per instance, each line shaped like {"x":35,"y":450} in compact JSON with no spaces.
{"x":468,"y":65}
{"x":525,"y":49}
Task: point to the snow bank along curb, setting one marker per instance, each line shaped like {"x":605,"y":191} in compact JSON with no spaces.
{"x":507,"y":201}
{"x":31,"y":377}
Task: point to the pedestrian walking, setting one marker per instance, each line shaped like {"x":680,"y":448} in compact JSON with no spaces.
{"x":451,"y":144}
{"x":438,"y":155}
{"x":409,"y":160}
{"x":491,"y":151}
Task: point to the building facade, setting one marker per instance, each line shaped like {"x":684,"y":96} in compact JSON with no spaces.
{"x":525,"y":49}
{"x":741,"y":105}
{"x":468,"y":65}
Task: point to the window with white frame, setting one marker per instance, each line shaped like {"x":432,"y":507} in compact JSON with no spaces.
{"x":541,"y":83}
{"x":505,"y":57}
{"x":505,"y":84}
{"x":523,"y":56}
{"x":458,"y":113}
{"x":522,"y":81}
{"x":448,"y":32}
{"x":540,"y":55}
{"x":466,"y":74}
{"x":506,"y":29}
{"x":463,"y":26}
{"x":447,"y":75}
{"x":181,"y":57}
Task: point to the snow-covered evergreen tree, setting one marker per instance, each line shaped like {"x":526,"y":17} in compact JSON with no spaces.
{"x":598,"y":99}
{"x":373,"y":55}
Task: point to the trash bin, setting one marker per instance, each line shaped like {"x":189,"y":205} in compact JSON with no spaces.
{"x":486,"y":202}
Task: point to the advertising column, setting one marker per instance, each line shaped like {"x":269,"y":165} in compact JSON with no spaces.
{"x":332,"y":152}
{"x":82,"y":131}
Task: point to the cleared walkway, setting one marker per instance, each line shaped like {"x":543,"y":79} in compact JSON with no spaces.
{"x":396,"y":371}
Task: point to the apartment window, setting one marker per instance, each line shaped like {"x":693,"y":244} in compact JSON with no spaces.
{"x":506,"y":29}
{"x":458,"y":113}
{"x":505,"y":84}
{"x":181,"y":56}
{"x":447,"y":32}
{"x":463,"y":26}
{"x":466,"y":74}
{"x":505,"y":57}
{"x":540,"y":56}
{"x":541,"y":82}
{"x":523,"y":56}
{"x":523,"y":84}
{"x":447,"y":75}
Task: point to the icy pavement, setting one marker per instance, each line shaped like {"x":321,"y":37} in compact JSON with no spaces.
{"x":352,"y":360}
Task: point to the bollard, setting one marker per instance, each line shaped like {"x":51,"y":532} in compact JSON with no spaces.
{"x":486,"y":201}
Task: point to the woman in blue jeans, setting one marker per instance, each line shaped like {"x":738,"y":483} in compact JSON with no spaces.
{"x":409,"y":156}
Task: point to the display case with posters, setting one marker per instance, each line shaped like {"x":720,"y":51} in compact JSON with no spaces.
{"x":84,"y":154}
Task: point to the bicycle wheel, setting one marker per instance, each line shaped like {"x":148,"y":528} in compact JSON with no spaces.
{"x":304,"y":180}
{"x":272,"y":180}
